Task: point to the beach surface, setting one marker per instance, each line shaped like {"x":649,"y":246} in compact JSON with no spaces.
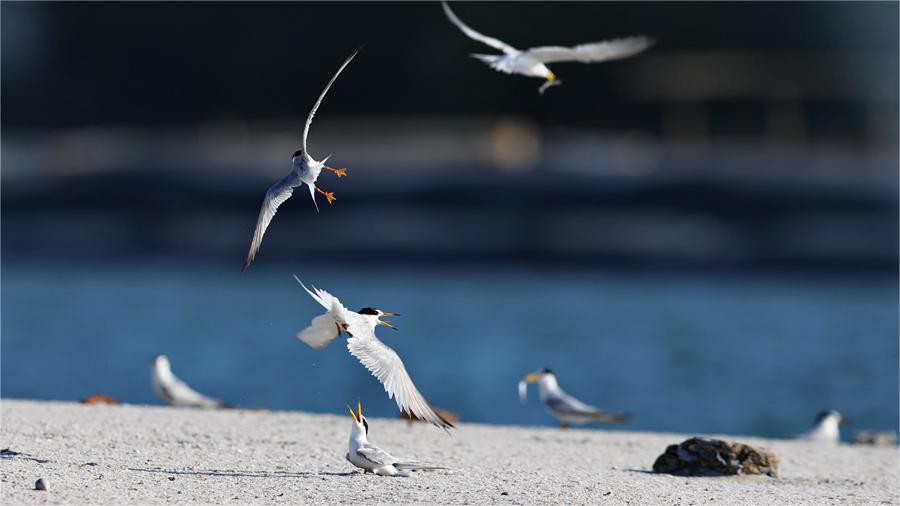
{"x":149,"y":454}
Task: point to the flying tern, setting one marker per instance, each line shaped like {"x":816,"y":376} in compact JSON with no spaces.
{"x":826,"y":428}
{"x":304,"y":169}
{"x":175,"y":392}
{"x":378,"y":358}
{"x":532,"y":62}
{"x":371,"y":458}
{"x":562,"y":406}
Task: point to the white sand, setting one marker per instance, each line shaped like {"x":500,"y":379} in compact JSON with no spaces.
{"x":142,"y":454}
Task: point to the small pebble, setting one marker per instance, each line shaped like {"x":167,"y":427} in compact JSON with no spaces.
{"x":171,"y":478}
{"x":504,"y":493}
{"x":41,"y":484}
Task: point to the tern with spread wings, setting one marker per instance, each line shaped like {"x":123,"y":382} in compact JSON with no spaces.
{"x":378,"y":358}
{"x":304,"y":169}
{"x":532,"y":62}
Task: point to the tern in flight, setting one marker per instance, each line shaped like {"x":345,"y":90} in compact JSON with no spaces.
{"x":372,"y":459}
{"x":562,"y":406}
{"x":304,"y":169}
{"x":378,"y":358}
{"x":532,"y":62}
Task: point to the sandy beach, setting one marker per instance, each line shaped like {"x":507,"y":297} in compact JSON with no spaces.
{"x":149,"y":454}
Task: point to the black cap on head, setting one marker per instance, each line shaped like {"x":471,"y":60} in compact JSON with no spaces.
{"x":297,"y":153}
{"x":366,"y":423}
{"x":825,"y":414}
{"x":368,"y":310}
{"x":546,"y":370}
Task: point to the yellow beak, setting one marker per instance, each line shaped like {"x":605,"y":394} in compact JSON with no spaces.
{"x":386,"y":324}
{"x":532,"y":378}
{"x":352,"y":414}
{"x":551,"y":76}
{"x":359,"y":411}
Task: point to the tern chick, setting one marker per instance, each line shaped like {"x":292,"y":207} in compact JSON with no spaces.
{"x":304,"y":169}
{"x":826,"y":428}
{"x":176,"y":392}
{"x":565,"y":408}
{"x":532,"y":62}
{"x":372,"y":459}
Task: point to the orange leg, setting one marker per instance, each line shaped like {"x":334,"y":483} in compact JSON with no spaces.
{"x":328,"y":195}
{"x":338,"y":172}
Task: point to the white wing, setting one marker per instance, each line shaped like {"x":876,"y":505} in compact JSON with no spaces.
{"x":472,"y":34}
{"x":316,"y":106}
{"x":591,"y":52}
{"x":324,"y":328}
{"x":275,"y":196}
{"x":385,"y":364}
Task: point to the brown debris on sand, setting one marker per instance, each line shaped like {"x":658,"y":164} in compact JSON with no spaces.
{"x":714,"y":457}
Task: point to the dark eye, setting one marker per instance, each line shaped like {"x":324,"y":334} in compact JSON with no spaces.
{"x":296,"y":154}
{"x":369,"y":311}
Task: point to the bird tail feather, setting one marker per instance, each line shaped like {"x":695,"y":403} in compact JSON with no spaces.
{"x":312,"y":193}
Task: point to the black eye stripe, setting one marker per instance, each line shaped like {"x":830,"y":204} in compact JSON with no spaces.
{"x":369,"y":311}
{"x":297,"y":153}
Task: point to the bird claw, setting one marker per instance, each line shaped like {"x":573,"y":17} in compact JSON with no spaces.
{"x":329,"y":196}
{"x":342,"y":172}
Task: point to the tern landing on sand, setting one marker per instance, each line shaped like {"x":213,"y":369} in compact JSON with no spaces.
{"x":562,"y":406}
{"x":826,"y":428}
{"x":304,"y":169}
{"x":532,"y":62}
{"x":372,"y":459}
{"x":378,"y":358}
{"x":176,"y":392}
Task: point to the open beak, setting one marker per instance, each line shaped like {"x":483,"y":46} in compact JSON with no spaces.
{"x":353,"y":414}
{"x":358,"y":411}
{"x":551,"y":76}
{"x":386,"y":324}
{"x":532,"y":378}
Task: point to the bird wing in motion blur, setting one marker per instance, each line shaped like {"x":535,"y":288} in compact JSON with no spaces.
{"x":472,"y":34}
{"x":592,"y":52}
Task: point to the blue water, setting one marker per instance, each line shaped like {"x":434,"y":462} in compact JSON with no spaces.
{"x":739,"y":353}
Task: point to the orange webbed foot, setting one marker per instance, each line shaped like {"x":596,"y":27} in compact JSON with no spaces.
{"x":342,"y":172}
{"x":328,"y":195}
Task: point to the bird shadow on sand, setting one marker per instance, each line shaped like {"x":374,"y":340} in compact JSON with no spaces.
{"x":227,"y":472}
{"x":6,"y":453}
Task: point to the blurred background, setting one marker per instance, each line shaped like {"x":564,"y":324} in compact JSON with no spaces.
{"x":704,"y":235}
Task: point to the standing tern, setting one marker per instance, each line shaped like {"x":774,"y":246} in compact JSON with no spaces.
{"x":304,"y":169}
{"x":562,"y":406}
{"x":378,"y":358}
{"x":532,"y":62}
{"x":826,"y":429}
{"x":175,"y":392}
{"x":371,"y":458}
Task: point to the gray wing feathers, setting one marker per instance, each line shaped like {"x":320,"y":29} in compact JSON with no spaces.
{"x":572,"y":406}
{"x":376,"y":455}
{"x":275,"y":196}
{"x":316,"y":106}
{"x":592,"y":52}
{"x":472,"y":34}
{"x":385,"y":364}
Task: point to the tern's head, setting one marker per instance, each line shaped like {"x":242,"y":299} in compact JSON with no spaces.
{"x":539,"y":375}
{"x":374,"y":316}
{"x":161,"y":362}
{"x":360,"y":424}
{"x":831,"y":417}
